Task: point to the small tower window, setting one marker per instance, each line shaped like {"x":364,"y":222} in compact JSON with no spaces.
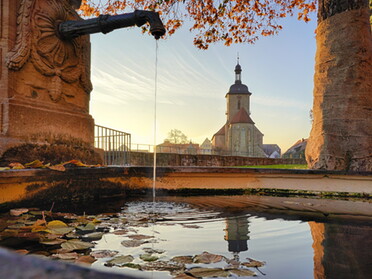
{"x":239,"y":104}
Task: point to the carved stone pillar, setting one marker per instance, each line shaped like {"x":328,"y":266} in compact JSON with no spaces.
{"x":44,"y":81}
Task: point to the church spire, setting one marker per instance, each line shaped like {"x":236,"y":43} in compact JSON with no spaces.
{"x":238,"y":71}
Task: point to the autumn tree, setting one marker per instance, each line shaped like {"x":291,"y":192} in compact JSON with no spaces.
{"x":341,"y":136}
{"x":177,"y":137}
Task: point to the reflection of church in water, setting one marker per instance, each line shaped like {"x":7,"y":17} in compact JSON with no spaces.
{"x":236,"y":235}
{"x":239,"y":136}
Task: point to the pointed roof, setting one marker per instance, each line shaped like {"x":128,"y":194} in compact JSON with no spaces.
{"x":241,"y":117}
{"x":221,"y":132}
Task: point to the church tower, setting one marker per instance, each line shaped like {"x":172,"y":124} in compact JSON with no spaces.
{"x":238,"y":95}
{"x":239,"y":136}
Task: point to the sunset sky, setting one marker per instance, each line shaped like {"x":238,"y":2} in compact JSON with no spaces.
{"x":192,"y":83}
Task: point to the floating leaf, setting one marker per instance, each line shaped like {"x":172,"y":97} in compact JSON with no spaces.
{"x":22,"y":251}
{"x":242,"y":272}
{"x":76,"y":245}
{"x":183,"y":276}
{"x":119,"y":260}
{"x":57,"y":168}
{"x":208,"y":272}
{"x":18,"y":211}
{"x":66,"y":256}
{"x":208,"y":258}
{"x":133,"y":243}
{"x":121,"y":232}
{"x":164,"y":266}
{"x":98,"y":254}
{"x":253,"y":263}
{"x":92,"y":236}
{"x":132,"y":265}
{"x":35,"y":164}
{"x":148,"y":257}
{"x":191,"y":226}
{"x":153,"y":251}
{"x":56,"y":241}
{"x":16,"y":166}
{"x":56,"y":224}
{"x":88,"y":228}
{"x":140,"y":236}
{"x":85,"y":260}
{"x":183,"y":259}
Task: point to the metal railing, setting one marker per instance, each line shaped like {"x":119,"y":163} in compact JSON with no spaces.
{"x":115,"y":145}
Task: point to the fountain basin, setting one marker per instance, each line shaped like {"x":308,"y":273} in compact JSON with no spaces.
{"x":30,"y":187}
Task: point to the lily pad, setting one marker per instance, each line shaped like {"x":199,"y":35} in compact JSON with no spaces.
{"x":148,"y":257}
{"x":253,"y":263}
{"x":242,"y":272}
{"x":98,"y":254}
{"x":119,"y":260}
{"x":208,"y":272}
{"x":76,"y":245}
{"x":208,"y":258}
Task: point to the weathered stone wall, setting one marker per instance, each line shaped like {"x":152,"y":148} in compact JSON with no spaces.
{"x":169,"y":159}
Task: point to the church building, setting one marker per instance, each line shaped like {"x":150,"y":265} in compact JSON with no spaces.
{"x":239,"y":136}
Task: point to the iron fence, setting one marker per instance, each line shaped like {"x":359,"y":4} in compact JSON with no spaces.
{"x":115,"y":145}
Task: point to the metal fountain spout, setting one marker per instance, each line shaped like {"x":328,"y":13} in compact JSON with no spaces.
{"x":106,"y":23}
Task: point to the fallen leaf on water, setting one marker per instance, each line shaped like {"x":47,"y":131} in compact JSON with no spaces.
{"x":140,"y":236}
{"x":4,"y":168}
{"x":183,"y":276}
{"x":153,"y":251}
{"x":242,"y":272}
{"x":98,"y":254}
{"x":183,"y":259}
{"x":85,"y":260}
{"x":56,"y":224}
{"x":148,"y":257}
{"x":90,"y":227}
{"x":18,"y":211}
{"x":253,"y":263}
{"x":76,"y":245}
{"x":92,"y":236}
{"x":66,"y":256}
{"x":56,"y":241}
{"x":163,"y":266}
{"x":119,"y":260}
{"x":132,"y":265}
{"x":133,"y":243}
{"x":35,"y":164}
{"x":208,"y":258}
{"x":22,"y":251}
{"x":120,"y":232}
{"x":16,"y":166}
{"x":57,"y":168}
{"x":191,"y":226}
{"x":208,"y":272}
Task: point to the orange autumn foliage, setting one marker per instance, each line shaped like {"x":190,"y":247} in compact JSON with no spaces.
{"x":229,"y":21}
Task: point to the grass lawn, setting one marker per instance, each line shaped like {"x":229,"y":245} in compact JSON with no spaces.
{"x":304,"y":167}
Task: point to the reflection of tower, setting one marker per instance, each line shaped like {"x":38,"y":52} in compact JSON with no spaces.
{"x":237,"y":235}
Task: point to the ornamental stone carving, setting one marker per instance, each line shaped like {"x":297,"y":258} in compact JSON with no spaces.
{"x":64,"y":64}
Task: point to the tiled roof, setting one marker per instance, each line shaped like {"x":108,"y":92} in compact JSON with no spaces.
{"x":241,"y":117}
{"x":221,"y":131}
